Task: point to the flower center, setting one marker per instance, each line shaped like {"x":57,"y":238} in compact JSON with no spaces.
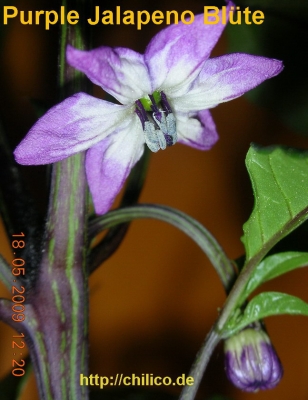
{"x":158,"y":121}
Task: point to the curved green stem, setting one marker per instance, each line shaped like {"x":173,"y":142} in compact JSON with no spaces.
{"x":208,"y":244}
{"x":185,"y":223}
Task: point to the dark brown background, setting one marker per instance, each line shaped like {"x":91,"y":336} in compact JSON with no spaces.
{"x":154,"y":301}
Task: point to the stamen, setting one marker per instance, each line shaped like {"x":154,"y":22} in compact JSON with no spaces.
{"x":169,"y":140}
{"x":156,"y":112}
{"x":140,"y":111}
{"x":165,"y":104}
{"x":150,"y":137}
{"x":159,"y":127}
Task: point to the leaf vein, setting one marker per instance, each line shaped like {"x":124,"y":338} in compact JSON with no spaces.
{"x":285,"y":197}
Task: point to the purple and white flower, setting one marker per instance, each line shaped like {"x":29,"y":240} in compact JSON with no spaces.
{"x":165,"y":97}
{"x":251,"y":361}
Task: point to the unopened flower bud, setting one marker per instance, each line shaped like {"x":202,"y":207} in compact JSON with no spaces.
{"x":251,"y":361}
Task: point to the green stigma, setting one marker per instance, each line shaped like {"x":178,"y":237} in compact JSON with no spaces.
{"x":146,"y":101}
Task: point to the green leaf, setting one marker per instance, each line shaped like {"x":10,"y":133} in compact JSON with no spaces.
{"x":279,"y":178}
{"x":273,"y":266}
{"x":284,"y":29}
{"x":265,"y":305}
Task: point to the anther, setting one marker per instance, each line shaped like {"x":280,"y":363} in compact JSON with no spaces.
{"x":159,"y":127}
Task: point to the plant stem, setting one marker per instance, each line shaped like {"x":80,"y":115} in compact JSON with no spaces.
{"x":200,"y":364}
{"x":57,"y":313}
{"x":5,"y":273}
{"x":233,"y":301}
{"x":187,"y":224}
{"x":60,"y":298}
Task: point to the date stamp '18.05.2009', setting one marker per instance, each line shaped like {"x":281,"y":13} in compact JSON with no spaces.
{"x":18,"y":306}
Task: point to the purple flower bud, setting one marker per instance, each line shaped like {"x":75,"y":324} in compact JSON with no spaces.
{"x":251,"y":361}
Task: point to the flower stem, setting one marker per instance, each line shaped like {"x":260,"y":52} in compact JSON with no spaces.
{"x":187,"y":224}
{"x":200,"y":364}
{"x":207,"y":243}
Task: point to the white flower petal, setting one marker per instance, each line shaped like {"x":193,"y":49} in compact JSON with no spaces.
{"x":119,"y":71}
{"x":198,"y":131}
{"x":176,"y":54}
{"x":226,"y":78}
{"x":109,"y":162}
{"x":74,"y":125}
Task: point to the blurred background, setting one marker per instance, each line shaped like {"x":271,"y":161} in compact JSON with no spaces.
{"x":153,"y":302}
